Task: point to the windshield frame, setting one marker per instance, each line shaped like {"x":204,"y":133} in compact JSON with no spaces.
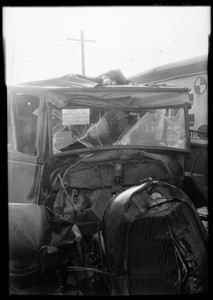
{"x":113,"y":147}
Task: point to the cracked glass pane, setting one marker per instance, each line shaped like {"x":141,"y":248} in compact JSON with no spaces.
{"x":76,"y":128}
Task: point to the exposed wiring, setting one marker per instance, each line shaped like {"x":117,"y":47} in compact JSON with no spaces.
{"x":101,"y":256}
{"x":61,"y":217}
{"x":76,"y":163}
{"x":87,"y":269}
{"x":102,"y":181}
{"x":71,"y":200}
{"x":46,"y":196}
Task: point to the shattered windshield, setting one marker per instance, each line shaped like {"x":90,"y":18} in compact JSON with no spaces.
{"x":76,"y":128}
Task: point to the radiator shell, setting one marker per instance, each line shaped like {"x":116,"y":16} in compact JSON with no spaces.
{"x":132,"y":249}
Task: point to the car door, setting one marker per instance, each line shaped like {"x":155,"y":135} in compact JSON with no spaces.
{"x":25,"y":123}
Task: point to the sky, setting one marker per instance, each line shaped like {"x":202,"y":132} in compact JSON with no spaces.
{"x":133,"y":39}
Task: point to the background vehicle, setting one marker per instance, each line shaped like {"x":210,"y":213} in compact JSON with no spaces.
{"x":193,"y":74}
{"x":96,"y":200}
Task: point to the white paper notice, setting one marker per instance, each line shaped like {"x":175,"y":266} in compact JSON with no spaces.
{"x":78,"y":116}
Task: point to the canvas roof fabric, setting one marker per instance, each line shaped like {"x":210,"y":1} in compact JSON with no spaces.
{"x":91,"y":91}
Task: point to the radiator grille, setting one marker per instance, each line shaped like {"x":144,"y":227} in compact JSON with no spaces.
{"x":152,"y":262}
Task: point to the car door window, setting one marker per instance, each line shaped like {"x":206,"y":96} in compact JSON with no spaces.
{"x":26,"y":107}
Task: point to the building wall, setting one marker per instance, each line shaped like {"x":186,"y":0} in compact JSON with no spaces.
{"x":199,"y":108}
{"x":198,"y":113}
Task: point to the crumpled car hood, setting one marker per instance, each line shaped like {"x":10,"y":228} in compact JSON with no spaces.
{"x":97,"y":177}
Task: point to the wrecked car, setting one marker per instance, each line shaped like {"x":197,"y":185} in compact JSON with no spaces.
{"x":95,"y":183}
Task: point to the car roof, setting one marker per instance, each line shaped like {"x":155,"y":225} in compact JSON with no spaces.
{"x":74,"y":90}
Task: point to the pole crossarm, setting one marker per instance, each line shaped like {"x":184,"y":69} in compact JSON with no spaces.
{"x":79,"y":40}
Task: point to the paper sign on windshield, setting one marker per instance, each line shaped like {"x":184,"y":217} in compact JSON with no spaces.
{"x":78,"y":116}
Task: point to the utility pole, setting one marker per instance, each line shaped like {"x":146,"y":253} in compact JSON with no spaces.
{"x":82,"y":40}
